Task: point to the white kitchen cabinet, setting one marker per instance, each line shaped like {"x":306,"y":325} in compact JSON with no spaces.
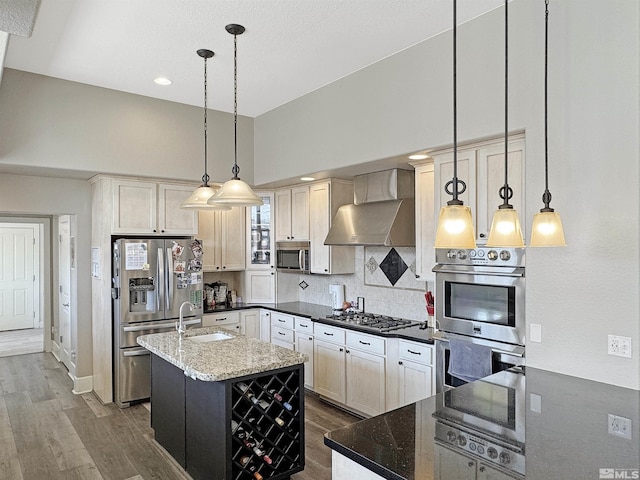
{"x":366,"y":386}
{"x":416,"y":379}
{"x":250,"y":323}
{"x":282,"y":326}
{"x":265,"y":325}
{"x":329,"y":374}
{"x":481,"y":167}
{"x":259,"y":286}
{"x":425,"y":221}
{"x":223,"y":239}
{"x":324,"y":200}
{"x":451,"y":464}
{"x":228,"y":320}
{"x":260,"y":237}
{"x":292,"y":214}
{"x":150,"y":208}
{"x":304,"y":344}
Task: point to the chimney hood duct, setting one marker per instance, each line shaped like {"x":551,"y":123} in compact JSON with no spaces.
{"x":383,"y":212}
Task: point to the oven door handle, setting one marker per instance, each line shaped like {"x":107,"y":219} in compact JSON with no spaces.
{"x":480,"y":270}
{"x":493,"y":349}
{"x":140,"y":328}
{"x":136,"y":353}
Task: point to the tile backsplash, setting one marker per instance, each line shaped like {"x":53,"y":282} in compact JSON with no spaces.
{"x":397,"y":294}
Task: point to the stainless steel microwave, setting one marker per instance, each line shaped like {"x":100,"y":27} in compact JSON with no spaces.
{"x":292,"y":257}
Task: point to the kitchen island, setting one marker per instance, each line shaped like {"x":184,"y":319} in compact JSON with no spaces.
{"x":227,"y":406}
{"x":511,"y":425}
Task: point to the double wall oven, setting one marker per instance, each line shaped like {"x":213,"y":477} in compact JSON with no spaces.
{"x":480,"y":298}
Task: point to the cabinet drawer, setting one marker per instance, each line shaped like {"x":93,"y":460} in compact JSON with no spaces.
{"x":328,"y":334}
{"x":304,"y":325}
{"x":416,"y":352}
{"x":281,"y":334}
{"x":366,"y":343}
{"x":222,"y":318}
{"x":281,"y":320}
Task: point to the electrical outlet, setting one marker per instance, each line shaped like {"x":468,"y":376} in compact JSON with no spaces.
{"x":619,"y":346}
{"x":619,"y":426}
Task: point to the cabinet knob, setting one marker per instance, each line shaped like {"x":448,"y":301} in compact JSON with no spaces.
{"x":481,"y":469}
{"x":417,"y":276}
{"x":342,"y":349}
{"x":400,"y":363}
{"x":271,"y":273}
{"x":310,"y":338}
{"x":326,"y":269}
{"x":471,"y":464}
{"x":162,"y":231}
{"x":224,"y":267}
{"x":348,"y":351}
{"x":154,"y":230}
{"x":482,"y":235}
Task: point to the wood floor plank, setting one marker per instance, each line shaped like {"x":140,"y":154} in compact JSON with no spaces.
{"x":58,"y":381}
{"x":9,"y":462}
{"x":21,"y":342}
{"x":95,"y":405}
{"x":83,"y":472}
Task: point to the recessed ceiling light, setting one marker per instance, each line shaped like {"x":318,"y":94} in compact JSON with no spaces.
{"x":163,"y":81}
{"x":307,"y":179}
{"x":418,"y":156}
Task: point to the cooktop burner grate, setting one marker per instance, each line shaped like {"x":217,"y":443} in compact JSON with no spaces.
{"x":380,"y":323}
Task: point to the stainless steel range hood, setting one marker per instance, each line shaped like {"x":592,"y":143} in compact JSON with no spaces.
{"x":383,"y":212}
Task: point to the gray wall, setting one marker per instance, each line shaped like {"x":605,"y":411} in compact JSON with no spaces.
{"x":52,"y":123}
{"x":56,"y":196}
{"x":580,"y":293}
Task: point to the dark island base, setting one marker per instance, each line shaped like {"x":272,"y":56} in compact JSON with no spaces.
{"x":192,"y":421}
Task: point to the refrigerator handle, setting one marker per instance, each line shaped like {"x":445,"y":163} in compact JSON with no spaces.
{"x":169,"y":278}
{"x":160,"y":280}
{"x":301,"y":260}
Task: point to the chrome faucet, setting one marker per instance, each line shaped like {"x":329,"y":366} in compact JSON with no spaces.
{"x":180,"y":323}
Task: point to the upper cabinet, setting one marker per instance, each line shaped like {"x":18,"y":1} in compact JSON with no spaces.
{"x":425,"y":221}
{"x":150,"y":208}
{"x":223,"y":239}
{"x":260,"y":242}
{"x":324,"y":200}
{"x":481,"y":167}
{"x":292,"y":214}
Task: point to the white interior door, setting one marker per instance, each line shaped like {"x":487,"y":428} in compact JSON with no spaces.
{"x":17,"y":277}
{"x":64,"y":289}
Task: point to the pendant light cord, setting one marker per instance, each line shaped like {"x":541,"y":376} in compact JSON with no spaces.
{"x":546,"y":196}
{"x":205,"y":177}
{"x":235,"y":170}
{"x":506,"y":191}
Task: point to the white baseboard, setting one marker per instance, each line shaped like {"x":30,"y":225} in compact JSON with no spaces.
{"x":82,"y":384}
{"x":55,"y":350}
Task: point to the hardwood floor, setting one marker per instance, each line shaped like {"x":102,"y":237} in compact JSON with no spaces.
{"x":21,"y":342}
{"x":48,"y":433}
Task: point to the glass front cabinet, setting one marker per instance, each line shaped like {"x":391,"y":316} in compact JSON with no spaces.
{"x":260,"y":229}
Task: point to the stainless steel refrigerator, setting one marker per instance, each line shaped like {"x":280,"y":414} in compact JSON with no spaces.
{"x":152,"y":277}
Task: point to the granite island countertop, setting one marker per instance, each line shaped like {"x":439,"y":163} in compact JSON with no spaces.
{"x":219,"y":360}
{"x":564,"y":424}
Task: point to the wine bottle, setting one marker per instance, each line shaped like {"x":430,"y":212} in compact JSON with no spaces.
{"x":237,"y":430}
{"x":247,"y":464}
{"x":279,"y":398}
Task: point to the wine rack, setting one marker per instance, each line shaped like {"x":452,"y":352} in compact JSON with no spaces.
{"x":267,"y":426}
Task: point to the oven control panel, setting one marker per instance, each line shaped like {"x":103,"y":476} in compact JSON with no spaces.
{"x":497,"y":257}
{"x":492,"y":451}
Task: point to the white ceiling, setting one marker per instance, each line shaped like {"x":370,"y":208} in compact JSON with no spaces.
{"x":290,"y":47}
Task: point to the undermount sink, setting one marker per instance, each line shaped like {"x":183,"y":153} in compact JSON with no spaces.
{"x":211,"y":337}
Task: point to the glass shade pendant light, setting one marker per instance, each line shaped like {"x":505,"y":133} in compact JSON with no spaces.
{"x":235,"y":192}
{"x":200,"y":196}
{"x":505,"y":227}
{"x":547,"y":228}
{"x":455,"y":225}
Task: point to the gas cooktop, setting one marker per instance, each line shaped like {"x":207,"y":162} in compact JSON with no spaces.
{"x":372,"y":322}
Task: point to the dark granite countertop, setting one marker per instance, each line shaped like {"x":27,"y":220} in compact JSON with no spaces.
{"x":318,"y":313}
{"x":565,"y":434}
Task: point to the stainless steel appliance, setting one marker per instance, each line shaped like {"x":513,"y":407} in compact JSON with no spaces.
{"x":293,"y":257}
{"x":503,"y":356}
{"x":481,"y":293}
{"x":371,"y":322}
{"x":486,"y":420}
{"x":151,"y":279}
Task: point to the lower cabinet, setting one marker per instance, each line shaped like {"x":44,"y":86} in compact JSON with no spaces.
{"x":282,"y":330}
{"x":228,"y":320}
{"x":415,"y":372}
{"x":304,"y":344}
{"x":330,"y":374}
{"x":450,"y":464}
{"x":265,"y":325}
{"x":250,"y":323}
{"x":216,"y":430}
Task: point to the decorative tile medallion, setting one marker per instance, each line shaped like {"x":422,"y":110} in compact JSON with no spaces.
{"x":393,"y":266}
{"x":371,"y":265}
{"x":303,"y":285}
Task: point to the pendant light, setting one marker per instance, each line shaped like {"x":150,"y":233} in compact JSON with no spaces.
{"x":235,"y":192}
{"x":547,"y":228}
{"x":455,"y":225}
{"x":505,"y":228}
{"x":200,"y":196}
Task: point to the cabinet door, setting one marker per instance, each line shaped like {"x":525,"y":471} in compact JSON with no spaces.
{"x":414,"y":381}
{"x":260,"y":241}
{"x":329,"y":375}
{"x":171,"y":218}
{"x":250,"y":323}
{"x":319,"y":222}
{"x":443,"y":173}
{"x":208,"y":233}
{"x":450,"y":464}
{"x":283,"y":215}
{"x":222,"y":319}
{"x":134,"y":207}
{"x":365,"y":382}
{"x":232,"y":239}
{"x":485,"y":472}
{"x":260,"y":287}
{"x":304,"y":344}
{"x":425,"y":222}
{"x":300,"y":213}
{"x":490,"y":165}
{"x":265,"y":325}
